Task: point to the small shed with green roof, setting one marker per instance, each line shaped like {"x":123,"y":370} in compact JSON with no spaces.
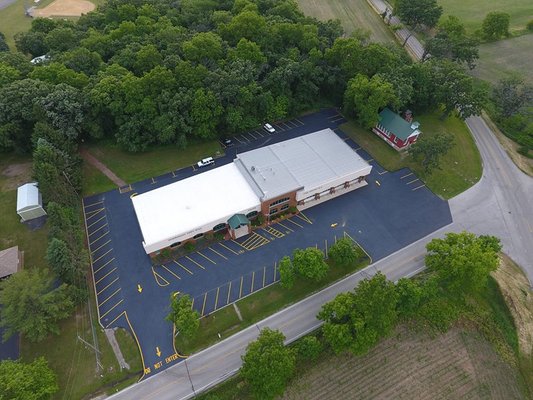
{"x":239,"y":226}
{"x":398,"y":132}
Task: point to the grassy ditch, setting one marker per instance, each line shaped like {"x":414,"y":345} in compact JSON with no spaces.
{"x":258,"y":306}
{"x":460,"y":168}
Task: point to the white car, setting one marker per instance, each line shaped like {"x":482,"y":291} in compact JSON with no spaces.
{"x":269,"y":128}
{"x":205,"y":162}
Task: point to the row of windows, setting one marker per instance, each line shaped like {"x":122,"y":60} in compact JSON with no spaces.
{"x":276,"y":210}
{"x":279,"y":201}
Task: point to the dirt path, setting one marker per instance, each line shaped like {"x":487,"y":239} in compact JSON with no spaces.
{"x":101,"y":167}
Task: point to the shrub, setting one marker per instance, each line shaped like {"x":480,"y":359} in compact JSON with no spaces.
{"x":286,"y":273}
{"x":529,"y":25}
{"x":189,"y":246}
{"x":309,"y":348}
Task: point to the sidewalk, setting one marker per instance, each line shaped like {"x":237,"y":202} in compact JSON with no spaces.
{"x":101,"y":167}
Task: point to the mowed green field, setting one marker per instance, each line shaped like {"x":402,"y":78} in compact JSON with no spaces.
{"x":353,"y":14}
{"x":505,"y":58}
{"x":472,"y":12}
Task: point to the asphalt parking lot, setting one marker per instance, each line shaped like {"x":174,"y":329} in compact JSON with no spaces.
{"x":394,"y":210}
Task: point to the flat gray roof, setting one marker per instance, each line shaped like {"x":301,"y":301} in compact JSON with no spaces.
{"x":304,"y":162}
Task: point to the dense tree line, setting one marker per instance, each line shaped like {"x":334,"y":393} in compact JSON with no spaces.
{"x":154,"y":72}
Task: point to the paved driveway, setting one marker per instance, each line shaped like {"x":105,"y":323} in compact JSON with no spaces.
{"x":393,"y":210}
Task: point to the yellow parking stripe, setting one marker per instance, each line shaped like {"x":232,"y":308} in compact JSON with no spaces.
{"x":185,"y":268}
{"x":103,"y":265}
{"x":286,"y":227}
{"x":295,"y":223}
{"x":114,"y":293}
{"x":106,"y":243}
{"x":116,"y":279}
{"x":92,"y":233}
{"x":100,"y":237}
{"x":203,"y":306}
{"x":239,"y":244}
{"x":93,"y":204}
{"x":227,"y":248}
{"x":304,"y":217}
{"x":207,"y":258}
{"x":190,"y":259}
{"x":158,"y":279}
{"x":118,"y":316}
{"x":111,"y":309}
{"x":99,"y":258}
{"x":216,"y":298}
{"x":100,"y":280}
{"x":172,"y":273}
{"x":216,"y":252}
{"x":95,"y":222}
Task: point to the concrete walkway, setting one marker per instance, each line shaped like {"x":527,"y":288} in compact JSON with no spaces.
{"x":101,"y":167}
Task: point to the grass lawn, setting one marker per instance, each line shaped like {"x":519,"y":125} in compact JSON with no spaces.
{"x":12,"y":231}
{"x":354,"y":14}
{"x":133,"y":167}
{"x":460,"y":167}
{"x":472,"y":12}
{"x":504,"y":58}
{"x":257,"y":307}
{"x":94,"y":181}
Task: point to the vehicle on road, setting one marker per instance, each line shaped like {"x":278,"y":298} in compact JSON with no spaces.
{"x":227,"y":142}
{"x":205,"y":162}
{"x":269,"y":128}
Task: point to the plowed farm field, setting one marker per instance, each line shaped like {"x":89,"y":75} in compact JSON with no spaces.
{"x":456,"y":365}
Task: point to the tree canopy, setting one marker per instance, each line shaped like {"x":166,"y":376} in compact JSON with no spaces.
{"x":430,"y":149}
{"x":418,"y":12}
{"x":182,"y":315}
{"x":496,"y":25}
{"x":31,"y":306}
{"x":268,"y":364}
{"x":27,"y":381}
{"x":310,"y":263}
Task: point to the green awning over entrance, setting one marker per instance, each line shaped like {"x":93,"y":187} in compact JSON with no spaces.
{"x":238,"y":220}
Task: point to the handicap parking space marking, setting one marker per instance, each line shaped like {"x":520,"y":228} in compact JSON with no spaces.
{"x":207,"y":258}
{"x":413,"y":181}
{"x":159,"y":279}
{"x":217,"y":253}
{"x":254,"y":241}
{"x":183,"y":267}
{"x":418,"y":187}
{"x":273,"y":231}
{"x":405,"y":176}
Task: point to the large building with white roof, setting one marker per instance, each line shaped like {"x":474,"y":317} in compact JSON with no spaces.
{"x":300,"y":172}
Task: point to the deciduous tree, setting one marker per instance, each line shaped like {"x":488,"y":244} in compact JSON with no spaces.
{"x":418,"y":12}
{"x":355,"y":321}
{"x":27,"y":381}
{"x":511,"y":95}
{"x":462,"y":262}
{"x":310,"y":263}
{"x":286,"y":272}
{"x":185,"y":319}
{"x":496,"y":25}
{"x":430,"y":149}
{"x":344,"y":252}
{"x":31,"y":306}
{"x":268,"y":365}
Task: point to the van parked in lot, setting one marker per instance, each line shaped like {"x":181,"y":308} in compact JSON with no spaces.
{"x":205,"y":162}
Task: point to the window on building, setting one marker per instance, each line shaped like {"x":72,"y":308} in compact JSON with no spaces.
{"x":273,"y":211}
{"x":198,"y":236}
{"x":317,"y":196}
{"x":175,"y":244}
{"x":284,"y":207}
{"x":219,"y":227}
{"x":251,"y":214}
{"x":279,"y":201}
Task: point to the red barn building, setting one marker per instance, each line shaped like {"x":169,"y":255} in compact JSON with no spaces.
{"x":398,"y":132}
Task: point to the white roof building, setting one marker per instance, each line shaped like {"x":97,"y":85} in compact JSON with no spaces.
{"x":192,"y":206}
{"x":29,"y":202}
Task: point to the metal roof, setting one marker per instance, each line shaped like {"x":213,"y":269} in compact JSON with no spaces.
{"x":300,"y":163}
{"x":396,"y":124}
{"x":28,"y":197}
{"x":237,"y":220}
{"x":9,"y":261}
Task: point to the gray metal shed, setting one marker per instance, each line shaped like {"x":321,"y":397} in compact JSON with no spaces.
{"x":29,"y":202}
